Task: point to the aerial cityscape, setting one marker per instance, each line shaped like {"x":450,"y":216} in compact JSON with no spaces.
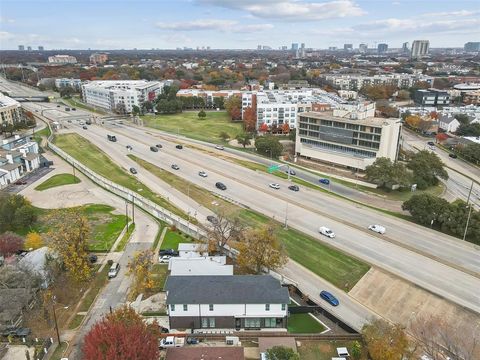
{"x":239,"y":180}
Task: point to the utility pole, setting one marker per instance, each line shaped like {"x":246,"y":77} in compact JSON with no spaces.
{"x":286,"y":217}
{"x":469,"y":193}
{"x":126,"y":213}
{"x":133,"y":209}
{"x":56,"y":324}
{"x":468,"y":221}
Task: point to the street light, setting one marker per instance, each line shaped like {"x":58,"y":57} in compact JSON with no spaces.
{"x":468,"y":221}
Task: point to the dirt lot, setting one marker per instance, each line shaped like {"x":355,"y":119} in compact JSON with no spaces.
{"x":402,"y":302}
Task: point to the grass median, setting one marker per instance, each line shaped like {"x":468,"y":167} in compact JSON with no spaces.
{"x":92,"y":157}
{"x":331,"y":264}
{"x":58,"y":180}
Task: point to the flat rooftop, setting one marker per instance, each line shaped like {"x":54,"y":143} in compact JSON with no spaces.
{"x":369,"y":121}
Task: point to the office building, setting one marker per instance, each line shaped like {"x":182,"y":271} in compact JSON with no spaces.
{"x":382,"y":48}
{"x":349,"y":136}
{"x":348,"y":47}
{"x":405,"y":48}
{"x":431,"y":97}
{"x":41,"y":48}
{"x":98,"y":58}
{"x":363,"y":48}
{"x":62,"y":59}
{"x":259,"y":47}
{"x":472,"y":47}
{"x":11,"y":111}
{"x":121,"y":95}
{"x":294,"y":47}
{"x":419,"y":49}
{"x":356,"y":82}
{"x":73,"y":83}
{"x":21,"y":48}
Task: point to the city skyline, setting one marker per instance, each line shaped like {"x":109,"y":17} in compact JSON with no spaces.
{"x":230,"y":24}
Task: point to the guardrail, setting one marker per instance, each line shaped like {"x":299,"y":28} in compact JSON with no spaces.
{"x":137,"y":200}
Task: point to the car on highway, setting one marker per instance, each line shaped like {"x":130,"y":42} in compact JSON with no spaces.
{"x":159,"y":146}
{"x":129,"y":147}
{"x":326,"y":231}
{"x":133,"y":170}
{"x":175,"y":167}
{"x":84,"y":127}
{"x":202,"y":173}
{"x":164,"y":259}
{"x":294,"y":187}
{"x":153,"y":148}
{"x":328,"y":297}
{"x":58,"y":105}
{"x":219,"y":147}
{"x":377,"y":228}
{"x":113,"y":271}
{"x":112,"y":138}
{"x":179,"y":146}
{"x":169,"y":252}
{"x":212,"y":219}
{"x":431,"y":143}
{"x":220,"y":186}
{"x":324,"y":181}
{"x":274,"y":186}
{"x":452,"y":155}
{"x":292,"y":172}
{"x":74,"y":109}
{"x":67,"y":109}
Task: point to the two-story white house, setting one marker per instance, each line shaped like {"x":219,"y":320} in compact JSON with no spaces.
{"x":249,"y":302}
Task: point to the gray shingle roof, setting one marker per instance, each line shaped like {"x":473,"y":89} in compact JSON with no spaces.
{"x":235,"y":289}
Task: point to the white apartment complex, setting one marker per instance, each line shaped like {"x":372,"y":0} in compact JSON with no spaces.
{"x":208,"y":95}
{"x":11,"y":111}
{"x":17,"y":157}
{"x":349,"y":136}
{"x":356,"y":82}
{"x":121,"y":94}
{"x":282,"y":106}
{"x":420,"y":49}
{"x":64,"y":82}
{"x":62,"y":59}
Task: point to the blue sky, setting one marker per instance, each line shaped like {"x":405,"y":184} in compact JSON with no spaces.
{"x":234,"y":24}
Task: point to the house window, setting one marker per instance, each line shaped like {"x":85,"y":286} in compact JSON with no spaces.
{"x":283,"y":307}
{"x":172,"y":307}
{"x":204,"y":322}
{"x":212,"y":322}
{"x":210,"y":307}
{"x":267,"y":307}
{"x":185,"y":307}
{"x":252,"y":323}
{"x":270,"y":322}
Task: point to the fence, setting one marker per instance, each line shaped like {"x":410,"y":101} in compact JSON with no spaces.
{"x":137,"y":200}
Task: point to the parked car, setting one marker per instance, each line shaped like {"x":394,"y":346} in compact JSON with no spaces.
{"x":202,"y":173}
{"x":324,"y":181}
{"x":274,"y":186}
{"x":212,"y":219}
{"x":328,"y":297}
{"x":20,"y":182}
{"x":179,"y":146}
{"x":129,"y":147}
{"x":153,"y":148}
{"x":133,"y":170}
{"x":377,"y":228}
{"x":164,"y":330}
{"x":164,"y":259}
{"x":220,"y":186}
{"x":292,"y":172}
{"x":192,"y":340}
{"x":175,"y":167}
{"x":114,"y":269}
{"x":159,"y":146}
{"x":431,"y":143}
{"x":92,"y":258}
{"x":84,"y":127}
{"x":169,"y":252}
{"x":452,"y":155}
{"x":294,"y":187}
{"x":326,"y":231}
{"x":219,"y":147}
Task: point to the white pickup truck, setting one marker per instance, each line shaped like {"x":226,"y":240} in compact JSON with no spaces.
{"x":171,"y":341}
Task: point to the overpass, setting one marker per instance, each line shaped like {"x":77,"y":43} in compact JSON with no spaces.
{"x":30,"y":98}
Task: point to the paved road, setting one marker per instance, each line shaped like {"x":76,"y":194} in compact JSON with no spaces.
{"x":15,"y":89}
{"x":308,"y":209}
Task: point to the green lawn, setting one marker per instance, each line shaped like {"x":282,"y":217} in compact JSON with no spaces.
{"x":324,"y":350}
{"x":59,"y":350}
{"x":188,"y":124}
{"x":160,"y":272}
{"x":76,"y":103}
{"x":58,"y":180}
{"x":97,"y":284}
{"x":76,"y":321}
{"x":45,"y":132}
{"x":172,"y":239}
{"x":333,"y":265}
{"x":94,"y":158}
{"x":303,"y":324}
{"x":121,"y":245}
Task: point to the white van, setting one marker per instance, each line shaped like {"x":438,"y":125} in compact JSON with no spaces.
{"x":114,"y":269}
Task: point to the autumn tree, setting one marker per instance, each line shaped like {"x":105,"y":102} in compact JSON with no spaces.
{"x":282,"y":353}
{"x":10,"y":243}
{"x":263,"y":128}
{"x":413,"y":121}
{"x":249,"y":119}
{"x":33,"y":241}
{"x":140,"y":267}
{"x":226,"y":228}
{"x":69,"y":238}
{"x":233,"y":105}
{"x":386,"y":342}
{"x":261,"y":249}
{"x":244,"y":139}
{"x":286,"y":128}
{"x":122,"y":335}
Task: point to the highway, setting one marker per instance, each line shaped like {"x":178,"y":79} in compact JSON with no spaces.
{"x":309,"y":209}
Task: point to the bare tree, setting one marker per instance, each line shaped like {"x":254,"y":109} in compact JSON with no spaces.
{"x":225,"y":228}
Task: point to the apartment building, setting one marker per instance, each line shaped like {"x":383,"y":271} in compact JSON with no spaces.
{"x":11,"y":111}
{"x":356,"y":82}
{"x":419,"y":49}
{"x":226,"y":302}
{"x":18,"y":156}
{"x":278,"y":107}
{"x":98,"y":58}
{"x":64,"y":82}
{"x":62,"y":59}
{"x":349,"y":136}
{"x":208,"y":95}
{"x":431,"y":97}
{"x":121,"y":95}
{"x":472,"y":97}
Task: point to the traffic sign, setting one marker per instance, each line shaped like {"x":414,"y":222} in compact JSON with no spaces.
{"x":273,"y":168}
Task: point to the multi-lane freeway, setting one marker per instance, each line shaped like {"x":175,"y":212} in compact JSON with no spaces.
{"x":434,"y":261}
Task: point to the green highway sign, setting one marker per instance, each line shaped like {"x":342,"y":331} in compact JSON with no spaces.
{"x":273,"y":168}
